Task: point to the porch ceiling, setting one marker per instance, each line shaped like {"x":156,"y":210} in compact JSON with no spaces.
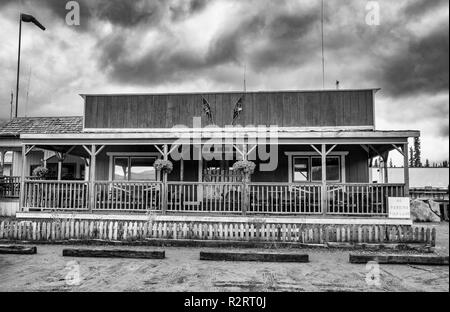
{"x":76,"y":151}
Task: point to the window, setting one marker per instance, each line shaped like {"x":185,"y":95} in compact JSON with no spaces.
{"x":134,"y":168}
{"x":301,"y":169}
{"x":309,"y":169}
{"x":333,"y":169}
{"x":67,"y":171}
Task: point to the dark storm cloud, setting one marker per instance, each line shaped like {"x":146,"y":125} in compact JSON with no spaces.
{"x":280,"y":37}
{"x":118,"y":12}
{"x":286,"y":43}
{"x":186,"y":9}
{"x":421,"y":66}
{"x":421,"y":7}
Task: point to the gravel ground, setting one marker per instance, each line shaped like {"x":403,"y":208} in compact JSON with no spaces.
{"x":182,"y":270}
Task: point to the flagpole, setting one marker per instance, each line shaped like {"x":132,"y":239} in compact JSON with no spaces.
{"x":323,"y":58}
{"x":18,"y":66}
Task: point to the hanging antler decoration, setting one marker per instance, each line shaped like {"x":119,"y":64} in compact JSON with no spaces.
{"x":238,"y":107}
{"x":207,"y":110}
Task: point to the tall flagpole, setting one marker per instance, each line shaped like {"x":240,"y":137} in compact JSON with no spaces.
{"x":323,"y":58}
{"x":18,"y":66}
{"x":27,"y":19}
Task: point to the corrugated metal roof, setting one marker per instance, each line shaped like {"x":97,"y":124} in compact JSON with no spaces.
{"x":42,"y":125}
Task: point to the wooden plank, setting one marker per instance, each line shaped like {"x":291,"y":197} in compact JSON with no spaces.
{"x":254,"y":256}
{"x":114,"y":253}
{"x":17,"y":250}
{"x":399,"y":259}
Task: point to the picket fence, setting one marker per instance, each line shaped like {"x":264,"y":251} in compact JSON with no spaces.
{"x":109,"y":230}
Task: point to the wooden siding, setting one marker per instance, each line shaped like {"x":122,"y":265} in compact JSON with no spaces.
{"x":338,"y":108}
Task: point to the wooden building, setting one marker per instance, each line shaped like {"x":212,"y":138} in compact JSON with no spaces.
{"x":312,"y":151}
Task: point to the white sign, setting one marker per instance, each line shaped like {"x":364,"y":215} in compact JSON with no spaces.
{"x":399,"y":208}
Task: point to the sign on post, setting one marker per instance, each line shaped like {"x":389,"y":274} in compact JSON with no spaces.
{"x":399,"y":207}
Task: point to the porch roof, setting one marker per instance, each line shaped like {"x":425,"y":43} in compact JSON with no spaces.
{"x":180,"y":135}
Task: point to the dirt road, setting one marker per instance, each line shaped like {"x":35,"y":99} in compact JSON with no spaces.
{"x":182,"y":270}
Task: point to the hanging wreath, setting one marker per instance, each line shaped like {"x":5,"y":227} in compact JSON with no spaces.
{"x":244,"y":167}
{"x":165,"y":166}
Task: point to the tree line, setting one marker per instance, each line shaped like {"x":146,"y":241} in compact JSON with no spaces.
{"x":415,"y":159}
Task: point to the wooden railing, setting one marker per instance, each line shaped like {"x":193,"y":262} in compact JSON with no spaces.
{"x":9,"y":187}
{"x":217,"y":197}
{"x":206,"y":197}
{"x":285,"y":198}
{"x":361,"y":198}
{"x":435,"y":193}
{"x":127,"y":196}
{"x":56,"y":195}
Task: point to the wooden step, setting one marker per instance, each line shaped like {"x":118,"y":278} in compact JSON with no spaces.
{"x":253,"y":256}
{"x":399,"y":259}
{"x":18,"y":250}
{"x":114,"y":253}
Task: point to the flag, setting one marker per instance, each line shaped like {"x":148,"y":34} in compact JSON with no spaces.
{"x":207,"y":109}
{"x":31,"y":19}
{"x":237,"y":109}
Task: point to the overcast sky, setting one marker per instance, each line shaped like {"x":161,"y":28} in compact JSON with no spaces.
{"x":197,"y":45}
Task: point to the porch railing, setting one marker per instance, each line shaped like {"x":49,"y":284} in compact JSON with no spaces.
{"x":361,"y":198}
{"x":217,"y":197}
{"x":285,"y":198}
{"x":208,"y":197}
{"x":9,"y":187}
{"x":56,"y":195}
{"x":127,"y":196}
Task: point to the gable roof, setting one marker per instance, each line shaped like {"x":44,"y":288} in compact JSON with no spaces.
{"x":42,"y":125}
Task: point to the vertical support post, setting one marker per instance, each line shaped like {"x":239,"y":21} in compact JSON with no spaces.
{"x":92,"y":178}
{"x":406,"y":169}
{"x":323,"y":155}
{"x":2,"y":162}
{"x":164,"y":186}
{"x":59,"y":198}
{"x":181,"y":169}
{"x":245,"y":184}
{"x":385,"y":157}
{"x":22,"y":178}
{"x":60,"y":161}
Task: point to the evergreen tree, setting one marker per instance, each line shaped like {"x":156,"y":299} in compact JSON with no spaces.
{"x":390,"y":163}
{"x":411,"y":157}
{"x":427,"y":163}
{"x":417,"y":153}
{"x":445,"y":163}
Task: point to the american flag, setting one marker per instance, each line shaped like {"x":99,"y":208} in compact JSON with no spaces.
{"x":207,"y":110}
{"x":237,"y":109}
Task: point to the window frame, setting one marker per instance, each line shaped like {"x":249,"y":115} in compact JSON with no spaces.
{"x":114,"y":155}
{"x":341,"y":155}
{"x":308,"y":158}
{"x":328,"y":157}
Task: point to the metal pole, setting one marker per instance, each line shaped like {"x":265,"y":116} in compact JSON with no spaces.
{"x":18,"y":66}
{"x":323,"y":58}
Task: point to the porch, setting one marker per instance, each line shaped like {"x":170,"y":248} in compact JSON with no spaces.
{"x":317,"y":174}
{"x":207,"y":198}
